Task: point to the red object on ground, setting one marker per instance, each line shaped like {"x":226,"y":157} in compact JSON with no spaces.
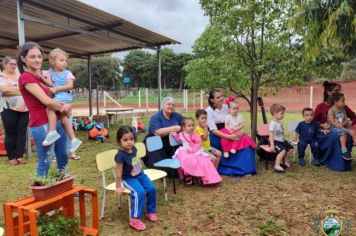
{"x":140,"y":126}
{"x":2,"y":144}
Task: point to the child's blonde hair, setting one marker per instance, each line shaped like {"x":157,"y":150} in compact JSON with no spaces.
{"x":233,"y":104}
{"x":53,"y":54}
{"x":275,"y":108}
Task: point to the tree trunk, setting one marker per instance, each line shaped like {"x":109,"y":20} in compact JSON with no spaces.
{"x":181,"y":82}
{"x":254,"y":95}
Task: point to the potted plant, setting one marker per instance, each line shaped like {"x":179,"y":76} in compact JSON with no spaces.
{"x":58,"y":225}
{"x":54,"y":183}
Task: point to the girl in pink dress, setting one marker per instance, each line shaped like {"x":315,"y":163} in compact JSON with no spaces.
{"x":194,"y":162}
{"x":234,"y":124}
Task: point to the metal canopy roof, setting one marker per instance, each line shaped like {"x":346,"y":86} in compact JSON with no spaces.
{"x":77,"y":28}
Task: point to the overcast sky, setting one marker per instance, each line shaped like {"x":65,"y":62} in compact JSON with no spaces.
{"x":182,"y":20}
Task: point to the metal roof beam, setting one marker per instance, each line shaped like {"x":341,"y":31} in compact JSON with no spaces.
{"x":14,"y":46}
{"x":60,"y":36}
{"x":67,"y":27}
{"x":62,"y":13}
{"x":112,"y":51}
{"x":47,"y":38}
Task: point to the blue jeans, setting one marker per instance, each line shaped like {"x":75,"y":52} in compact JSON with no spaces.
{"x":44,"y":154}
{"x":314,"y":146}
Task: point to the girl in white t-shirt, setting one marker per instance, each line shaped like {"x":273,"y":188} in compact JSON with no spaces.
{"x":234,"y":124}
{"x":276,"y":138}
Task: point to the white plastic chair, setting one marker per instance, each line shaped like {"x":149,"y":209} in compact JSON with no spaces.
{"x":291,"y":126}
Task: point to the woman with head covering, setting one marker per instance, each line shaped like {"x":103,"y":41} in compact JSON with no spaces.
{"x":242,"y":162}
{"x":14,"y":115}
{"x":161,"y":124}
{"x":330,"y":152}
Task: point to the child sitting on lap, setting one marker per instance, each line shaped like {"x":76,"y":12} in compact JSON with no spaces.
{"x":339,"y":122}
{"x":234,"y":124}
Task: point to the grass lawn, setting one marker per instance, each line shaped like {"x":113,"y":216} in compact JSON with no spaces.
{"x":264,"y":204}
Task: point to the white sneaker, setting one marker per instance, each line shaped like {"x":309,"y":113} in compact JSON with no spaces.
{"x":51,"y":138}
{"x":74,"y":145}
{"x":233,"y":151}
{"x":226,"y":154}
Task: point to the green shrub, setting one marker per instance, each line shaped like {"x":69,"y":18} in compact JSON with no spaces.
{"x":52,"y":177}
{"x":58,"y":225}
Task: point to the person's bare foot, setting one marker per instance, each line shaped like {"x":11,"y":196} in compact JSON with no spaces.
{"x":14,"y":162}
{"x":21,"y":161}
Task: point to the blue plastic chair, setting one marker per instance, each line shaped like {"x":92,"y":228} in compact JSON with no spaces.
{"x":155,"y":143}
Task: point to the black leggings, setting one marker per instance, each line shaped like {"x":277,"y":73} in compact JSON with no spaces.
{"x":15,"y":125}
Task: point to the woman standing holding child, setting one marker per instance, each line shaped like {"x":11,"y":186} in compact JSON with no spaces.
{"x":37,"y":98}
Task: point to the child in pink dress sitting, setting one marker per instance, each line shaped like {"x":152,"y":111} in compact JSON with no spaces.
{"x":234,"y":124}
{"x":194,"y":161}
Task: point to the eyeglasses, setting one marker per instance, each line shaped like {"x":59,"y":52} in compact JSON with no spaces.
{"x":12,"y":64}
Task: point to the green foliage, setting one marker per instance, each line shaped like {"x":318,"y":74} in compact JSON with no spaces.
{"x":326,"y":25}
{"x":52,"y":177}
{"x":246,"y":46}
{"x":105,"y":72}
{"x":269,"y":227}
{"x":142,"y":67}
{"x":58,"y":225}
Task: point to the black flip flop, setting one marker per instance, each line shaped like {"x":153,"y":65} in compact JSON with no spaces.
{"x":279,"y":171}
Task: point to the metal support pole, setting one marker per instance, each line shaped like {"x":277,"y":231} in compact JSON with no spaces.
{"x":146,"y":96}
{"x":159,"y":77}
{"x":139,"y":98}
{"x":201,"y":99}
{"x":97,"y":99}
{"x":90,"y":88}
{"x":311,"y":97}
{"x":20,"y":22}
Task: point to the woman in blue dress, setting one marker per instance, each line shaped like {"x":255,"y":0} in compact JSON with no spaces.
{"x":329,"y":144}
{"x":242,"y":162}
{"x":162,"y":124}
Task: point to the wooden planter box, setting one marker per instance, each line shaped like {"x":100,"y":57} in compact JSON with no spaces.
{"x":42,"y":193}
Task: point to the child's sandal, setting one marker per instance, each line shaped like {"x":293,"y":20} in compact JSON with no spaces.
{"x":137,"y":224}
{"x":188,"y":181}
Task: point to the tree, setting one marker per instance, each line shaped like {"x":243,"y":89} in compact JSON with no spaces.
{"x":246,"y":46}
{"x":328,"y":27}
{"x":142,"y":67}
{"x":105,"y":71}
